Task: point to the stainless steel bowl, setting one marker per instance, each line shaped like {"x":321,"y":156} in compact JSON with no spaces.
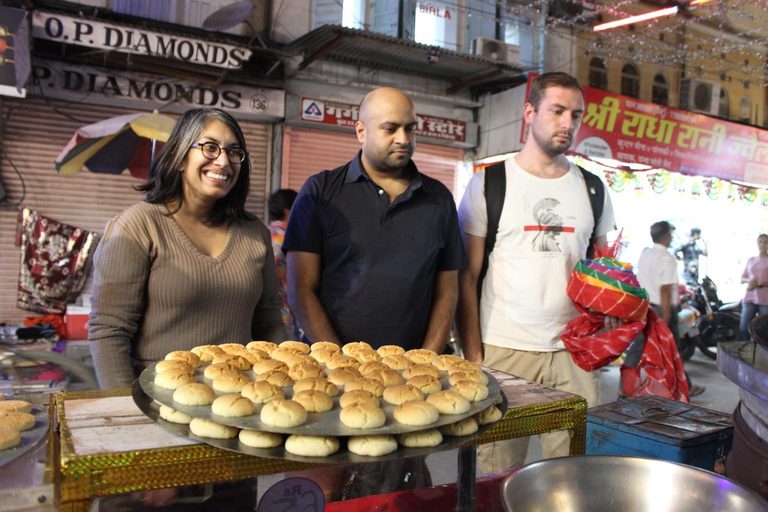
{"x":597,"y":483}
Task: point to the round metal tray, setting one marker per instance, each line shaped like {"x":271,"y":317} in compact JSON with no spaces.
{"x":151,"y":408}
{"x":29,"y":438}
{"x":317,"y":424}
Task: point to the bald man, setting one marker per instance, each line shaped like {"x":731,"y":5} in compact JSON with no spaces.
{"x":373,"y":247}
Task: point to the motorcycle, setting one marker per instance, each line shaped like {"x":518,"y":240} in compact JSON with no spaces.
{"x":718,"y":321}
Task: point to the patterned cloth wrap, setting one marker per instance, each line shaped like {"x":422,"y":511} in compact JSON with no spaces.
{"x":606,"y":286}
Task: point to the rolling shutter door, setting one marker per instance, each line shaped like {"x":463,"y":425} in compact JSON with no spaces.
{"x":35,"y":131}
{"x":307,"y":152}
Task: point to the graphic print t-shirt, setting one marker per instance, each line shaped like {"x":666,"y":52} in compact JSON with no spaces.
{"x":544,"y":230}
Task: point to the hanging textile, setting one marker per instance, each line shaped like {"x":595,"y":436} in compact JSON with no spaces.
{"x":55,"y":260}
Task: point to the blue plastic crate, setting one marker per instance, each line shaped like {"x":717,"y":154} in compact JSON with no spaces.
{"x":660,"y":428}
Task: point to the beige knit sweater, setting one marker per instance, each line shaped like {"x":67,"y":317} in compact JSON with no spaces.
{"x":155,"y":292}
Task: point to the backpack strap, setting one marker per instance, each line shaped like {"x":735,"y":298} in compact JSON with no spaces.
{"x":495,"y":190}
{"x":596,"y":193}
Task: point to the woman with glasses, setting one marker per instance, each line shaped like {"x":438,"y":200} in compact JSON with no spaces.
{"x":188,"y":266}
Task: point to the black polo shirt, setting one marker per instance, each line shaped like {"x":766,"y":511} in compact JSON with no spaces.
{"x":379,"y":260}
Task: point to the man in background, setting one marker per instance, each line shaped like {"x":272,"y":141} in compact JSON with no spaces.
{"x":280,"y":204}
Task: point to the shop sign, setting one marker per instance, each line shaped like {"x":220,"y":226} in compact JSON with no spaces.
{"x":345,"y":115}
{"x":146,"y":91}
{"x":135,"y":40}
{"x":14,"y":52}
{"x":634,"y":131}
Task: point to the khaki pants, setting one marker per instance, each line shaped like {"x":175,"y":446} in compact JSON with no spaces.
{"x":552,"y":369}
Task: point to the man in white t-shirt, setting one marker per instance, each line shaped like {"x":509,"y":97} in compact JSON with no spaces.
{"x":545,"y":227}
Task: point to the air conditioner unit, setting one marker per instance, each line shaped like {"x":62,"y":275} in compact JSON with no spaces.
{"x":700,"y":96}
{"x":496,"y":50}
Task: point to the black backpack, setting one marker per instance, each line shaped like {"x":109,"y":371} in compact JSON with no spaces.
{"x":495,"y":189}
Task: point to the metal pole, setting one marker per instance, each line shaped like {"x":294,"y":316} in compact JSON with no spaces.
{"x":542,"y":34}
{"x":465,"y":483}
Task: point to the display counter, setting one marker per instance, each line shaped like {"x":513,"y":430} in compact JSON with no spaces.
{"x":101,"y":444}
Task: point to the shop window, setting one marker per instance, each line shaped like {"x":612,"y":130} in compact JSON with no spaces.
{"x":660,"y":91}
{"x":598,"y":74}
{"x":160,"y":10}
{"x":349,"y":13}
{"x":630,"y":81}
{"x":436,"y":24}
{"x":723,"y":110}
{"x":745,"y":110}
{"x":523,"y":33}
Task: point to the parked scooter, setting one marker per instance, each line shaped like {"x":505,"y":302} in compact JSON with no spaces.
{"x":687,"y":322}
{"x":719,"y":322}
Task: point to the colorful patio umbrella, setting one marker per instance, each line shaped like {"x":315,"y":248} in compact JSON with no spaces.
{"x":116,"y":144}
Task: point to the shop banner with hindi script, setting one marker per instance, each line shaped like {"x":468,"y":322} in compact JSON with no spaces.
{"x":634,"y":131}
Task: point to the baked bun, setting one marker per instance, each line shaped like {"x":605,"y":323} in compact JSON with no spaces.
{"x":372,"y":446}
{"x":421,"y":439}
{"x":284,"y":353}
{"x":9,"y":438}
{"x":206,"y":353}
{"x":235,"y":360}
{"x":299,"y":346}
{"x":421,"y":369}
{"x":397,"y":395}
{"x":283,"y":414}
{"x":230,"y":382}
{"x":416,"y":413}
{"x":386,"y":376}
{"x":324,"y":345}
{"x":465,"y":427}
{"x":425,"y":383}
{"x":365,"y":355}
{"x":232,"y":406}
{"x":340,"y":376}
{"x":471,"y":390}
{"x":358,"y":396}
{"x":15,"y":406}
{"x":266,"y":346}
{"x":350,"y":348}
{"x":464,"y":366}
{"x":390,"y":350}
{"x":208,"y":428}
{"x":194,"y":394}
{"x":269,"y":365}
{"x":174,"y":416}
{"x":443,"y":362}
{"x":313,"y":401}
{"x":173,"y":379}
{"x":421,"y":355}
{"x":301,"y":359}
{"x":477,"y":376}
{"x":20,"y":421}
{"x":174,"y":364}
{"x":342,"y":361}
{"x":397,"y":363}
{"x":261,"y":392}
{"x":305,"y":371}
{"x":374,"y":386}
{"x":311,"y":446}
{"x":186,"y":356}
{"x":237,"y":349}
{"x":322,"y":355}
{"x":316,"y":384}
{"x":254,"y":355}
{"x":259,"y":439}
{"x":490,"y":415}
{"x":449,"y":402}
{"x":276,"y":377}
{"x":217,"y":369}
{"x":362,"y":415}
{"x":371,"y":366}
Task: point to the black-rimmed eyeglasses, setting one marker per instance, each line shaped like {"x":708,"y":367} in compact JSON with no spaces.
{"x":211,"y":151}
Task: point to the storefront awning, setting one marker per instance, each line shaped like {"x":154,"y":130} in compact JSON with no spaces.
{"x":366,"y":48}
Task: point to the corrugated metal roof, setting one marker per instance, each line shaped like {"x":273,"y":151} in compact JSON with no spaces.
{"x":366,"y":48}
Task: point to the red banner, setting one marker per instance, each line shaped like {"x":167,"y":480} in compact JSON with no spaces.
{"x":634,"y":131}
{"x":344,"y":114}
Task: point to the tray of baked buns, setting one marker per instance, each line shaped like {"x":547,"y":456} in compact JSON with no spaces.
{"x":22,"y":426}
{"x":300,"y":402}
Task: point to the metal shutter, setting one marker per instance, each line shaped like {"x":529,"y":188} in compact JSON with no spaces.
{"x":307,"y":152}
{"x":35,"y":131}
